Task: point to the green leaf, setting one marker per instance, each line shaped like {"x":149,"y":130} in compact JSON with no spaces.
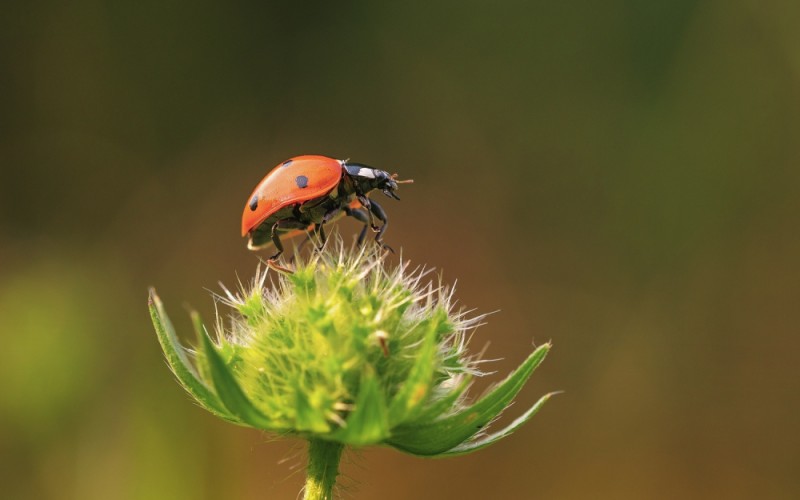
{"x":443,"y":435}
{"x":369,"y":422}
{"x":226,"y":386}
{"x":484,"y":441}
{"x":415,"y":388}
{"x":179,"y":363}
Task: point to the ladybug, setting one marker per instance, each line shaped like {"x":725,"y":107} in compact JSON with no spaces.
{"x":304,"y":192}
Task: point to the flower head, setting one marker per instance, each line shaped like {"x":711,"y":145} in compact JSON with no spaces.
{"x":348,"y":350}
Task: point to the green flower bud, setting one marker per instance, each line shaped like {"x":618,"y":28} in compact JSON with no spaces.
{"x":346,"y":351}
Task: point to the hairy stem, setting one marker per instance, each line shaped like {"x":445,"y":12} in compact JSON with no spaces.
{"x":323,"y":467}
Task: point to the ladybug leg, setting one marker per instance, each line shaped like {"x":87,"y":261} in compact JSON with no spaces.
{"x":276,"y":240}
{"x":381,"y":215}
{"x":279,"y":225}
{"x":367,"y":203}
{"x":362,"y":217}
{"x":321,"y":234}
{"x":319,"y":228}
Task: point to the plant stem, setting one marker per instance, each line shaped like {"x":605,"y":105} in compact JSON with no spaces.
{"x":323,"y":467}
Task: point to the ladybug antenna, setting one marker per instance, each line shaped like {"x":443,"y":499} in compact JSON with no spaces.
{"x":406,"y":181}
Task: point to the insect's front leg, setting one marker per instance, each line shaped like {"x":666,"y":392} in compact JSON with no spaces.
{"x":376,"y":209}
{"x":367,"y":203}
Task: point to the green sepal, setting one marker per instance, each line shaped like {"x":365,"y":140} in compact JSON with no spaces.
{"x":179,"y":363}
{"x":481,"y":442}
{"x":440,"y":406}
{"x":226,"y":386}
{"x":444,"y":435}
{"x":308,"y":418}
{"x":369,"y":422}
{"x":415,"y":388}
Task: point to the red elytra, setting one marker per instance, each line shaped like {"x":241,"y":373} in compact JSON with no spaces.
{"x":280,"y":189}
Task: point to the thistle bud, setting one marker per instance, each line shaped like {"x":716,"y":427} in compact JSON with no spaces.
{"x":345,"y":350}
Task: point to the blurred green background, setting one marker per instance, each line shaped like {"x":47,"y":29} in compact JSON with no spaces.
{"x":620,"y":177}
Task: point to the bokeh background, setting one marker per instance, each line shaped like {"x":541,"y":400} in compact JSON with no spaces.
{"x":621,"y":178}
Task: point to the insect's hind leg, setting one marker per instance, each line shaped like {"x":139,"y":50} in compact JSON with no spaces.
{"x":281,"y":225}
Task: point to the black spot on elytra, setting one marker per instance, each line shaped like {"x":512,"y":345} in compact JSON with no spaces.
{"x":254,"y":203}
{"x":302,"y":181}
{"x":287,"y":163}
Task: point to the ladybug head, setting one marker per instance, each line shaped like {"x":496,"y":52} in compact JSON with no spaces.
{"x":386,"y":183}
{"x":368,"y":178}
